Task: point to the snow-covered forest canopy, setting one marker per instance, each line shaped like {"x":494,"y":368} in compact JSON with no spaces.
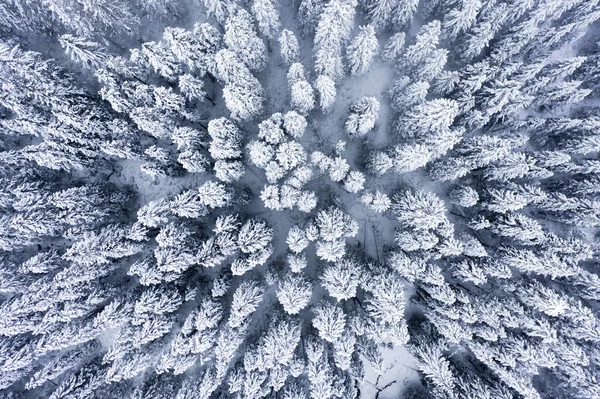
{"x":294,"y":199}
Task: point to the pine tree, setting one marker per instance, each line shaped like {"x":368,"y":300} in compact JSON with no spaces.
{"x":229,"y":171}
{"x":354,"y":181}
{"x":226,"y":139}
{"x":378,"y":201}
{"x":274,"y":172}
{"x":88,"y":18}
{"x":61,"y":364}
{"x":406,"y":95}
{"x":294,"y":293}
{"x":458,"y":20}
{"x":334,"y":224}
{"x":338,"y":169}
{"x":289,"y":196}
{"x":254,"y":235}
{"x":308,"y":15}
{"x":409,"y":157}
{"x":294,"y":124}
{"x":418,"y":209}
{"x":260,"y":153}
{"x":379,"y":163}
{"x":380,"y":12}
{"x":271,"y":130}
{"x":341,"y":279}
{"x":192,"y":88}
{"x":297,"y":240}
{"x":362,"y":117}
{"x":333,"y":30}
{"x":289,"y":47}
{"x":302,"y":97}
{"x":403,"y":13}
{"x":431,"y":116}
{"x":162,"y":60}
{"x":18,"y":15}
{"x":246,"y":299}
{"x":295,"y":73}
{"x":427,"y":39}
{"x":326,"y":89}
{"x":229,"y":69}
{"x":214,"y":195}
{"x":330,"y":321}
{"x":393,"y":47}
{"x":245,"y":102}
{"x":307,"y":201}
{"x":290,"y":155}
{"x":433,"y":364}
{"x":362,"y":50}
{"x":74,"y":126}
{"x":267,"y":17}
{"x":193,"y":161}
{"x":464,"y":196}
{"x":177,"y":287}
{"x":241,"y":38}
{"x":89,"y":53}
{"x":219,"y":9}
{"x":331,"y":251}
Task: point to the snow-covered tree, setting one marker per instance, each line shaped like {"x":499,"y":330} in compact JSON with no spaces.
{"x":403,"y":13}
{"x":341,"y":279}
{"x":307,"y":201}
{"x":244,"y":101}
{"x":309,"y":12}
{"x":290,"y":154}
{"x":380,"y":12}
{"x":295,"y":73}
{"x":260,"y":153}
{"x":87,"y":52}
{"x":418,"y":209}
{"x":362,"y":116}
{"x":334,"y":224}
{"x":192,"y":88}
{"x":294,"y":124}
{"x":405,"y":95}
{"x":338,"y":169}
{"x":267,"y":17}
{"x":362,"y":50}
{"x":393,"y":47}
{"x":297,"y":240}
{"x":241,"y":37}
{"x":434,"y":365}
{"x":464,"y":196}
{"x":377,"y":201}
{"x":431,"y":116}
{"x":459,"y":19}
{"x":354,"y":182}
{"x":330,"y":321}
{"x":379,"y":163}
{"x":245,"y":301}
{"x":226,"y":139}
{"x":409,"y":157}
{"x":294,"y":293}
{"x":333,"y":30}
{"x":254,"y":235}
{"x":214,"y":195}
{"x":229,"y":171}
{"x":302,"y":96}
{"x":289,"y":47}
{"x":325,"y":87}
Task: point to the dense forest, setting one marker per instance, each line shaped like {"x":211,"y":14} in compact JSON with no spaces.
{"x":324,"y":199}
